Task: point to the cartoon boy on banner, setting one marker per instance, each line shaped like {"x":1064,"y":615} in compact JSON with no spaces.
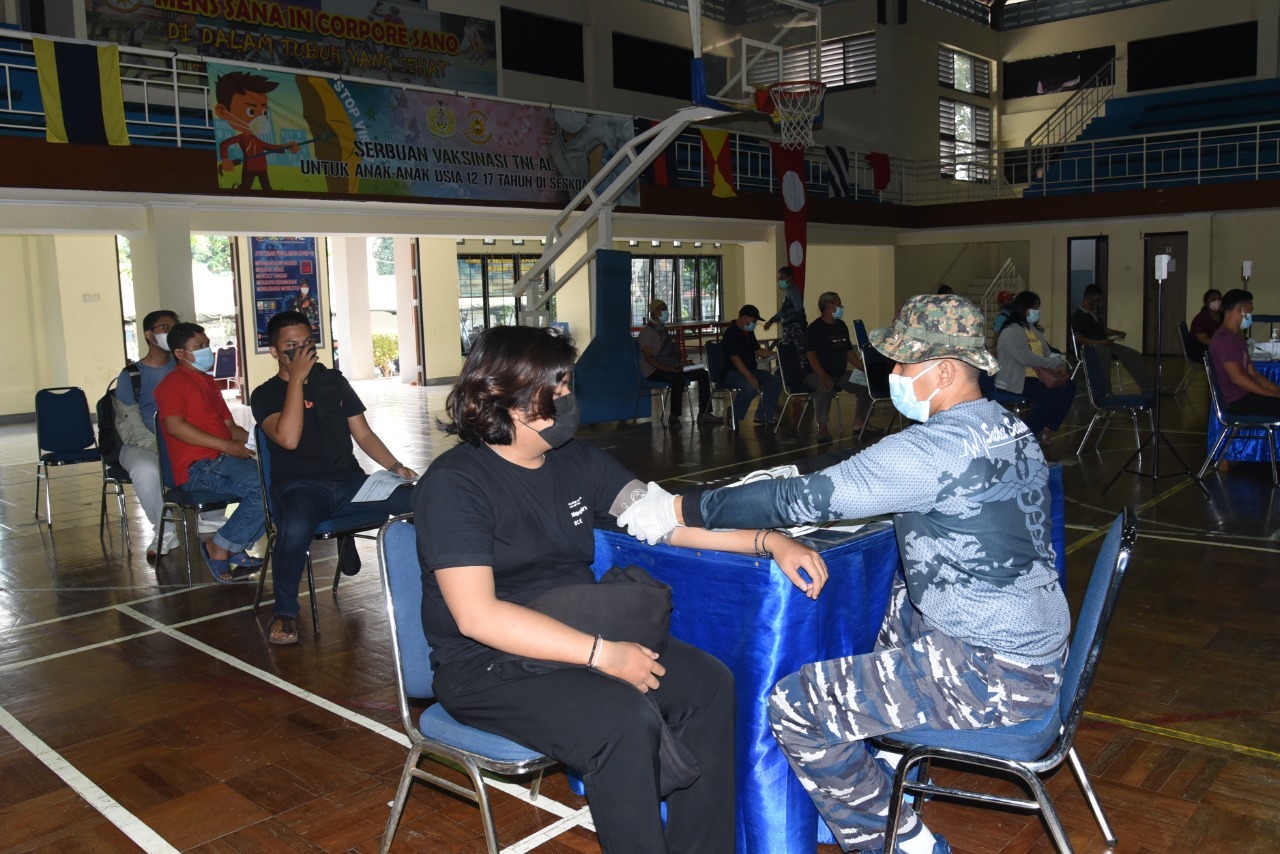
{"x":242,"y":103}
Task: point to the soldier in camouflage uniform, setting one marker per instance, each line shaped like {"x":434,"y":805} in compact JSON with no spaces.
{"x":976,"y":632}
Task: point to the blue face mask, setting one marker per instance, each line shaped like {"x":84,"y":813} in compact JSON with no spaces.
{"x":782,"y":284}
{"x":902,"y":391}
{"x":1033,"y":315}
{"x":839,"y":312}
{"x":751,"y":327}
{"x":204,"y":359}
{"x":664,"y":316}
{"x":1247,"y":322}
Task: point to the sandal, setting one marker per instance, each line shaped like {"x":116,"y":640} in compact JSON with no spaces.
{"x":282,"y":630}
{"x":246,"y":560}
{"x":224,"y":571}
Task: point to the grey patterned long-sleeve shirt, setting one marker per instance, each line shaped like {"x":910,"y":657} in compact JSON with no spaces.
{"x":969,"y":490}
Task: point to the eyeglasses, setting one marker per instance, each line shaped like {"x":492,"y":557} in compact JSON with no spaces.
{"x":161,"y":327}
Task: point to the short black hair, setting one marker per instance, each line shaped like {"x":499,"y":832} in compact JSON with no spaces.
{"x":1091,"y":289}
{"x":284,"y":320}
{"x":182,"y":333}
{"x":1209,"y":293}
{"x":1230,"y":299}
{"x":508,"y":368}
{"x":944,"y":289}
{"x":787,"y":271}
{"x":154,"y":317}
{"x":238,"y":83}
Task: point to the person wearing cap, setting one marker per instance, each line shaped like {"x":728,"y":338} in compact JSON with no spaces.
{"x":976,"y":631}
{"x":660,"y":362}
{"x":741,"y":349}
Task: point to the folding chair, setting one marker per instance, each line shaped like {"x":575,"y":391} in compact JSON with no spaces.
{"x":793,"y":386}
{"x":1233,"y":424}
{"x":658,"y":387}
{"x":437,"y":735}
{"x":1106,"y":406}
{"x":1018,"y":403}
{"x":1034,"y":748}
{"x":64,"y":437}
{"x":226,"y":367}
{"x":713,"y":352}
{"x":1077,"y":365}
{"x":352,"y":523}
{"x":1193,"y":364}
{"x":178,"y":501}
{"x":877,"y":368}
{"x":114,"y":479}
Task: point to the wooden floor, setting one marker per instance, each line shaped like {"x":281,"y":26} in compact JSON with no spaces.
{"x":137,"y":712}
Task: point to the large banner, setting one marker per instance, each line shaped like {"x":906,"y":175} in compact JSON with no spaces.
{"x":280,"y":131}
{"x":286,"y":277}
{"x":354,"y":38}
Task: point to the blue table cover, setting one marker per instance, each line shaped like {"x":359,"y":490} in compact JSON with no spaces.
{"x":745,"y":612}
{"x":1252,"y":445}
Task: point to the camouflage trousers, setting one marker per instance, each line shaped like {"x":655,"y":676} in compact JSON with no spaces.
{"x":915,"y":677}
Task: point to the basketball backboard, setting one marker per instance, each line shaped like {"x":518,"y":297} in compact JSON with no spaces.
{"x":742,"y":46}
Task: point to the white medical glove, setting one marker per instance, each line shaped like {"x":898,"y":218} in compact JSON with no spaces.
{"x":652,"y":517}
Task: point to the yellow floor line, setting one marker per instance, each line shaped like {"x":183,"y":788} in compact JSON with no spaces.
{"x":1185,"y":736}
{"x":1102,"y":532}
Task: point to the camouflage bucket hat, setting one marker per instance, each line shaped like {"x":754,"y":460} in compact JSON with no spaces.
{"x":936,"y":326}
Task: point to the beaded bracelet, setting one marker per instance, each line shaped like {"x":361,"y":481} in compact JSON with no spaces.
{"x":761,"y":535}
{"x":595,"y":650}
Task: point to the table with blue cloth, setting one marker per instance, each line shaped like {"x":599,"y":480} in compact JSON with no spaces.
{"x":1251,"y":445}
{"x":747,"y":613}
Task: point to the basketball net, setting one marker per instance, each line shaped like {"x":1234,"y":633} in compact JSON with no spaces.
{"x":796,"y":104}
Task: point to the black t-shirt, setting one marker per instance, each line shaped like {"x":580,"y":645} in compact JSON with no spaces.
{"x":534,"y":527}
{"x":740,"y":343}
{"x":830,"y":341}
{"x":324,"y":451}
{"x":1085,"y":325}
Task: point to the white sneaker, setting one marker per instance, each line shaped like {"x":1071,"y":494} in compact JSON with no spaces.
{"x":170,"y":542}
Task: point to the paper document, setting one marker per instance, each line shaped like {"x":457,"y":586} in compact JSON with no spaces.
{"x":379,"y":486}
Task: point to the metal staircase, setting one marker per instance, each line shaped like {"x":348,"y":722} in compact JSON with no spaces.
{"x":1070,"y":119}
{"x":600,"y":195}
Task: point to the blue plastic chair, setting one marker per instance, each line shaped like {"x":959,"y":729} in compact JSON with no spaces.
{"x":1233,"y":424}
{"x":352,"y":523}
{"x":1018,"y":403}
{"x":436,"y":735}
{"x":64,"y":437}
{"x":178,"y":502}
{"x":713,"y":352}
{"x":1033,"y":748}
{"x":1106,"y":406}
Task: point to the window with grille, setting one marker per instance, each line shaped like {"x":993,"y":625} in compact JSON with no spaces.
{"x":964,"y":132}
{"x":691,"y":285}
{"x":486,"y":292}
{"x":964,"y":72}
{"x":844,"y":63}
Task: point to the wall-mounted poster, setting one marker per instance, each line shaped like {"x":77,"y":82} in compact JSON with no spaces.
{"x":285,"y":278}
{"x":281,"y":131}
{"x":355,"y":38}
{"x":1062,"y":72}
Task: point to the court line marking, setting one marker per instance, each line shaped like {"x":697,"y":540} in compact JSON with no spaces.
{"x":95,"y":796}
{"x":1202,"y":740}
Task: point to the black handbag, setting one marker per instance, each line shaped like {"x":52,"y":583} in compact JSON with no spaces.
{"x":626,"y":604}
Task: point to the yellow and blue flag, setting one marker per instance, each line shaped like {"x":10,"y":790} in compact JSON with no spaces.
{"x":80,"y":87}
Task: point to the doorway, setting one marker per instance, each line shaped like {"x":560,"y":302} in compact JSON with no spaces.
{"x":1168,"y":298}
{"x":1087,"y":265}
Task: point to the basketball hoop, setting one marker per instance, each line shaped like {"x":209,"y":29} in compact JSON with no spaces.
{"x":796,"y":103}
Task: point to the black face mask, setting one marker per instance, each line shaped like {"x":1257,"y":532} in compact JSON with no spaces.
{"x":565,"y":423}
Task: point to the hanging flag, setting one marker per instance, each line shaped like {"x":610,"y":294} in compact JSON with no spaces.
{"x":879,"y":169}
{"x":838,"y":166}
{"x":661,"y":166}
{"x":716,"y":154}
{"x":788,"y":166}
{"x":80,"y":87}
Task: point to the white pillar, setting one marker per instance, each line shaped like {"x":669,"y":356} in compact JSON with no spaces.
{"x":406,"y":328}
{"x":441,"y":331}
{"x":351,"y":305}
{"x":162,"y":262}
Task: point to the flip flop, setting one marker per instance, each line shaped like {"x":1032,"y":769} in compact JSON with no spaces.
{"x":288,"y":628}
{"x":245,"y":560}
{"x":217,"y":568}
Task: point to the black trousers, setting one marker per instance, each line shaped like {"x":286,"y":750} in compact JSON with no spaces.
{"x":1255,"y":404}
{"x":677,"y":380}
{"x":607,"y":731}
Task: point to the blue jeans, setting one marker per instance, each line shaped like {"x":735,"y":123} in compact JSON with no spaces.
{"x":770,"y":388}
{"x":237,"y":477}
{"x":300,"y":506}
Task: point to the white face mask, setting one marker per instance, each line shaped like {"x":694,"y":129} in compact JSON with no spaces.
{"x":162,"y":340}
{"x":260,"y":127}
{"x":305,"y":291}
{"x":1215,"y":305}
{"x":1033,"y":315}
{"x":902,"y":390}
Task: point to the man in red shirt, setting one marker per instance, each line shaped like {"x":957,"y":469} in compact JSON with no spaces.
{"x":207,"y":451}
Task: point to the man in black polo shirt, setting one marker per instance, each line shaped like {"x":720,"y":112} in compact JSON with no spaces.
{"x":741,"y":349}
{"x":831,"y":362}
{"x":309,"y":415}
{"x":1089,"y":329}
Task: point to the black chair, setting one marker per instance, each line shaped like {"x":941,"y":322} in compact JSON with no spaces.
{"x":658,"y":387}
{"x":793,"y":386}
{"x":1018,"y":403}
{"x":353,"y":523}
{"x":114,"y":479}
{"x":1189,"y":355}
{"x":877,"y":368}
{"x":1077,"y":364}
{"x":1033,"y":748}
{"x":1107,"y":406}
{"x":1233,"y":424}
{"x":178,"y":502}
{"x":713,"y":351}
{"x":64,"y":437}
{"x":436,"y":735}
{"x":860,"y":333}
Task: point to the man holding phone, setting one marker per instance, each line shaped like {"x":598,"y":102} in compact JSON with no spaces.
{"x":310,"y":415}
